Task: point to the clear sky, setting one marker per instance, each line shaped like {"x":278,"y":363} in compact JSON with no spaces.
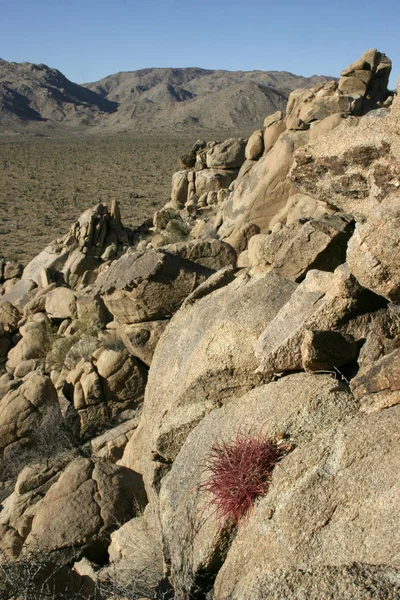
{"x":89,"y":39}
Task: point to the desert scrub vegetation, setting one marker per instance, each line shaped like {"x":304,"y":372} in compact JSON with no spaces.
{"x":36,"y":577}
{"x":65,"y":351}
{"x":238,"y":472}
{"x":47,"y":182}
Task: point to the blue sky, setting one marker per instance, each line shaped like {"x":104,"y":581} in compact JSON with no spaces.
{"x":89,"y":39}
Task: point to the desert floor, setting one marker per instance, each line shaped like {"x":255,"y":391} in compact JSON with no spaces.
{"x":46,"y":182}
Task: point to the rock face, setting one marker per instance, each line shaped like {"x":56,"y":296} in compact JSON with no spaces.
{"x":378,"y":386}
{"x":97,"y":236}
{"x":104,"y":493}
{"x":209,"y":362}
{"x":22,"y":410}
{"x":292,"y":251}
{"x":323,"y":301}
{"x":300,"y":406}
{"x":338,"y":482}
{"x":148,"y":286}
{"x":264,"y":189}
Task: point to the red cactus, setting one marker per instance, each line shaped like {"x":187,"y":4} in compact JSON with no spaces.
{"x":240,"y":471}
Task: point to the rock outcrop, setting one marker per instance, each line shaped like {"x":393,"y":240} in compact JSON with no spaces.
{"x":261,"y":302}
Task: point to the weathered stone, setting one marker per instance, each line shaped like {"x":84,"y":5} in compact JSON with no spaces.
{"x":37,"y":301}
{"x":123,"y":380}
{"x":271,"y":119}
{"x":378,"y":385}
{"x":300,"y":206}
{"x":9,"y":316}
{"x":264,"y":189}
{"x":26,"y":366}
{"x":141,"y":339}
{"x":323,"y":301}
{"x":136,"y":554}
{"x":179,"y":193}
{"x":272,"y":133}
{"x":213,"y":254}
{"x":353,"y":86}
{"x":17,"y":294}
{"x":51,"y":258}
{"x":299,"y":406}
{"x":319,"y":508}
{"x":163,"y":216}
{"x":255,"y":145}
{"x":241,"y":236}
{"x":148,"y":286}
{"x":19,"y":508}
{"x":111,"y":444}
{"x":61,"y":303}
{"x":22,"y":410}
{"x":36,"y":337}
{"x":354,"y":168}
{"x":373,"y":250}
{"x":104,"y":494}
{"x":326,"y":350}
{"x":12,"y":269}
{"x":357,"y":581}
{"x":200,"y":363}
{"x":4,"y":346}
{"x":229,"y":154}
{"x":211,"y":180}
{"x":294,"y":250}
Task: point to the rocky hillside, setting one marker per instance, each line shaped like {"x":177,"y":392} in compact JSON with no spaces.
{"x":36,"y":93}
{"x":146,"y":100}
{"x":208,"y":406}
{"x":197,"y":98}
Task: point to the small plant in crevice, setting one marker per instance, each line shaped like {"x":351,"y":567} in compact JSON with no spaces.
{"x":239,"y":471}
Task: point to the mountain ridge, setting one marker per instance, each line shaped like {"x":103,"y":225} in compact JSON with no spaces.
{"x":145,"y":99}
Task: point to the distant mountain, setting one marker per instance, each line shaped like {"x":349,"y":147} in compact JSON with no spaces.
{"x":196,"y":98}
{"x":30,"y":92}
{"x":148,"y":99}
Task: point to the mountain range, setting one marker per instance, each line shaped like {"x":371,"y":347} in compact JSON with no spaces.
{"x":37,"y":96}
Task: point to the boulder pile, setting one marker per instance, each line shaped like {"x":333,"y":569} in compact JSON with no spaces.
{"x":264,"y":297}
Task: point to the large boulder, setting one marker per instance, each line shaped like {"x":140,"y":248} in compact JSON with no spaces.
{"x":292,"y":251}
{"x":213,"y":180}
{"x":298,"y":407}
{"x":213,"y":254}
{"x":36,"y":338}
{"x":333,"y":502}
{"x":378,"y":386}
{"x":105,"y":389}
{"x":373,"y":250}
{"x":323,"y":301}
{"x":82,"y":507}
{"x":141,"y":339}
{"x":9,"y":317}
{"x":229,"y":154}
{"x":202,"y":362}
{"x":61,"y":303}
{"x":149,"y":285}
{"x":22,"y":411}
{"x":97,"y":235}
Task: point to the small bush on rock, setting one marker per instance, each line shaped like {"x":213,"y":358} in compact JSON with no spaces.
{"x":240,"y":471}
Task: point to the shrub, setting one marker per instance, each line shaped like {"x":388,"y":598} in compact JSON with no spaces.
{"x":65,"y":352}
{"x":240,"y":471}
{"x":36,"y":577}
